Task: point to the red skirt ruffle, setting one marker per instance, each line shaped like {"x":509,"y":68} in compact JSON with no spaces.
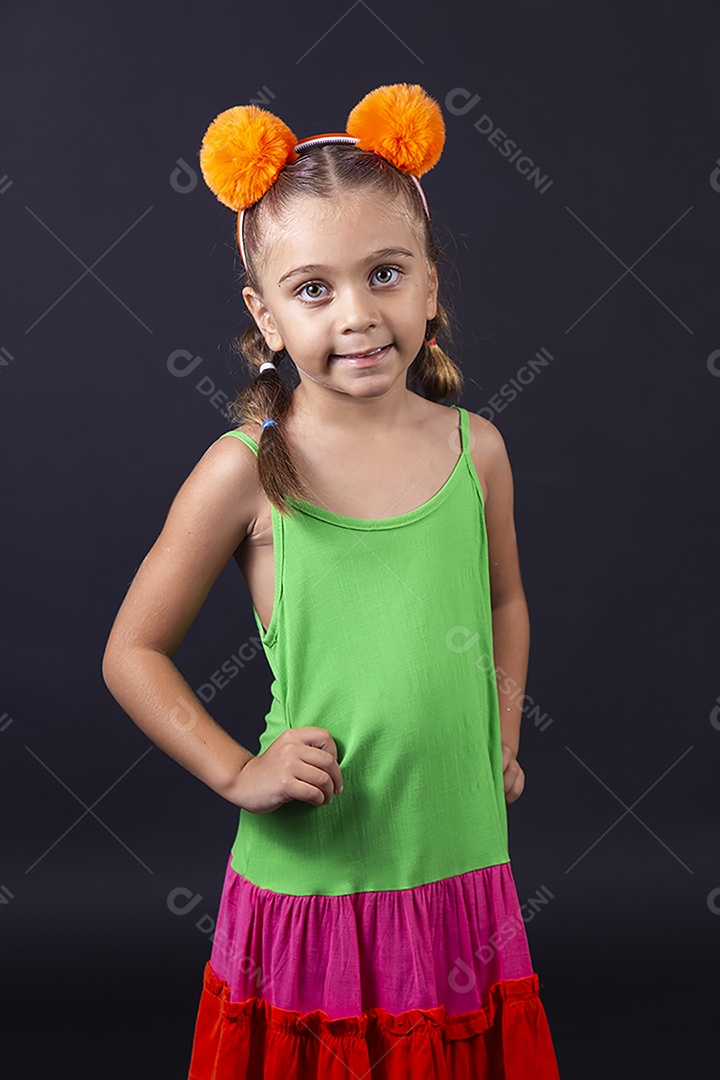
{"x":508,"y":1039}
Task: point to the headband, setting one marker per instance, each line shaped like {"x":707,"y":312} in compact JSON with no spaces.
{"x":245,"y":148}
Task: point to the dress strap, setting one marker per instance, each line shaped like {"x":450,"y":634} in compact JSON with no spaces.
{"x":244,"y":437}
{"x":464,"y":427}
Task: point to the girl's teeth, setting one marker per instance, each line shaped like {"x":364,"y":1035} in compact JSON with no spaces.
{"x":356,"y":356}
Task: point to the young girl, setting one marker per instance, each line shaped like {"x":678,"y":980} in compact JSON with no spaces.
{"x":369,"y":921}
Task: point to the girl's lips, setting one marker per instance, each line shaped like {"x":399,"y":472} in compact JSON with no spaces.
{"x":363,"y":361}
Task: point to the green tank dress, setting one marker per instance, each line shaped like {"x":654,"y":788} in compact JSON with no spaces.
{"x":381,"y":632}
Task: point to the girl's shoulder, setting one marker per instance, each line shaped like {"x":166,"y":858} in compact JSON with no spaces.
{"x":485,"y":444}
{"x":250,"y":428}
{"x":233,"y":465}
{"x":485,"y":438}
{"x":484,"y":434}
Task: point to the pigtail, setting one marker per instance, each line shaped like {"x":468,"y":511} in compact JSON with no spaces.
{"x":432,"y":370}
{"x":268,"y":395}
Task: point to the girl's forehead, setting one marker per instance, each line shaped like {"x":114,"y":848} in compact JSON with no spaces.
{"x":351,"y":208}
{"x":313,"y":224}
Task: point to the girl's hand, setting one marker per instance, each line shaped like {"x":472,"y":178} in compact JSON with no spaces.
{"x":300,"y":764}
{"x":513,"y":775}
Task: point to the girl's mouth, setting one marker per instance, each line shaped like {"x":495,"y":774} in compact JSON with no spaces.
{"x":363,"y":359}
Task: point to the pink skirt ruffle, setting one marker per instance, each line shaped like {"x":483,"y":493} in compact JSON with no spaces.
{"x":441,"y":944}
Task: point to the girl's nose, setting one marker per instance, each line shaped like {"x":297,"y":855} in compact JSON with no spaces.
{"x":357,"y":311}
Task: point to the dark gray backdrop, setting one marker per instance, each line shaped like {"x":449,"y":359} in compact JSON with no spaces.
{"x":119,"y":271}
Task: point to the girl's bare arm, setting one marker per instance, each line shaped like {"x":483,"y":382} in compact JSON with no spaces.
{"x":510,"y":618}
{"x":209,"y":517}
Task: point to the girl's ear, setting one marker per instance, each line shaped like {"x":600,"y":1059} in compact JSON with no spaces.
{"x":263,"y":317}
{"x":432,"y":291}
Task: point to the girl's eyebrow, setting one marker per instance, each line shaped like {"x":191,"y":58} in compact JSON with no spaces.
{"x":317,"y":268}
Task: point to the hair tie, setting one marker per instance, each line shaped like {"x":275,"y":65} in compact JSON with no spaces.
{"x":432,"y":341}
{"x":267,"y":364}
{"x":265,"y":423}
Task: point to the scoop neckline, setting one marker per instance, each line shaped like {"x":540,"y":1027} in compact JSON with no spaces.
{"x":398,"y":519}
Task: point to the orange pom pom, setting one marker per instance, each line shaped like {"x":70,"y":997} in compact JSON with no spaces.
{"x":242,"y":153}
{"x":403,"y":124}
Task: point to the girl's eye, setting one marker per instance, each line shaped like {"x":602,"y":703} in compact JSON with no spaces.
{"x":310,"y":285}
{"x":386,"y":270}
{"x":317,"y":285}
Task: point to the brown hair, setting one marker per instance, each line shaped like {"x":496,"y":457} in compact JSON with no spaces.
{"x":325,"y":171}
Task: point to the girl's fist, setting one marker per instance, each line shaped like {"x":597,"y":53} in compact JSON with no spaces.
{"x":513,"y":775}
{"x":300,"y":764}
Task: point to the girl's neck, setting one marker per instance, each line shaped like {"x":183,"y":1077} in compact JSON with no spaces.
{"x":342,"y":413}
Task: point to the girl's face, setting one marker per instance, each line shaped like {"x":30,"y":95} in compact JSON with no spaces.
{"x":343,"y":277}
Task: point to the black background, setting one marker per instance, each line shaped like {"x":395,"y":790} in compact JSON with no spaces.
{"x":116,"y":254}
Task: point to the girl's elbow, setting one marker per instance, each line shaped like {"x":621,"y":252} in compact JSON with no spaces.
{"x":113,"y":661}
{"x":108,"y":666}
